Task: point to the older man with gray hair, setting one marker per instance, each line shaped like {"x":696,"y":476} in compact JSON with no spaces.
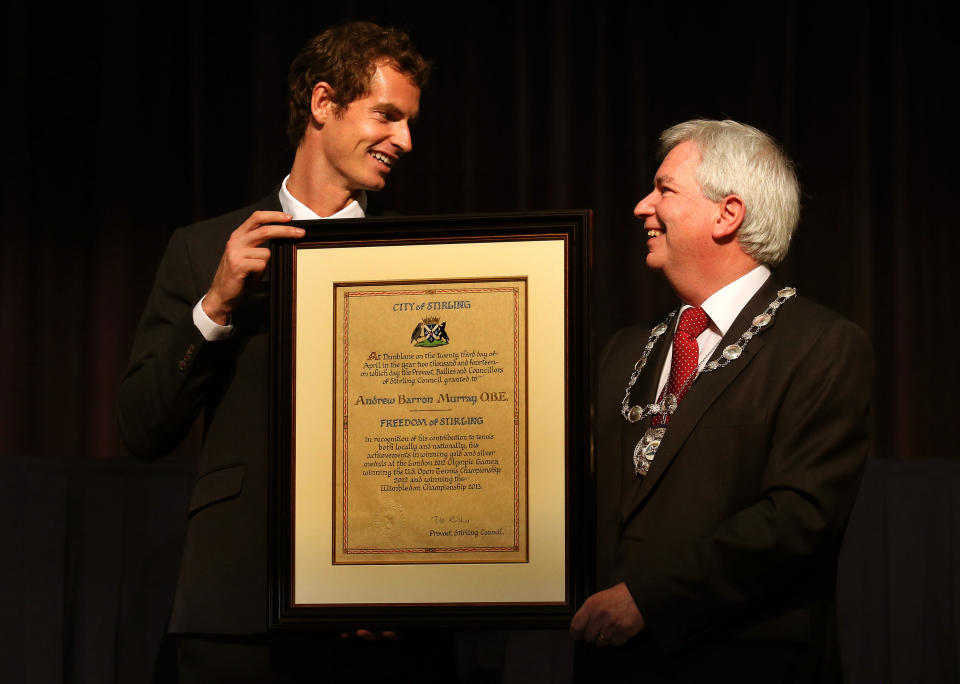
{"x":731,"y":437}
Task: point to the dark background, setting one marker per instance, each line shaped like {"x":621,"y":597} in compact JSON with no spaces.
{"x":124,"y":120}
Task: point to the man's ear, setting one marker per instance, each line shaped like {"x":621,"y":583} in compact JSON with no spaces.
{"x":730,"y":214}
{"x":321,"y":103}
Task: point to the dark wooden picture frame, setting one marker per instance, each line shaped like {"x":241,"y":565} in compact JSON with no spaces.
{"x":573,"y":230}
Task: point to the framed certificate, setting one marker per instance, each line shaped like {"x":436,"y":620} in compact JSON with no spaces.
{"x":429,"y":423}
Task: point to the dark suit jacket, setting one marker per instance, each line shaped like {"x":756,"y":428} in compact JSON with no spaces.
{"x":733,"y":535}
{"x":174,"y":376}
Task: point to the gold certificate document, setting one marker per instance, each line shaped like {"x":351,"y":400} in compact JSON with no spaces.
{"x":430,"y":450}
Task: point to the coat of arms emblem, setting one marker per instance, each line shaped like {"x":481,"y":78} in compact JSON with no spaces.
{"x":431,"y":332}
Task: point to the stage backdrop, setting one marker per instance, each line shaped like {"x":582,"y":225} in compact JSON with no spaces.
{"x":125,"y":120}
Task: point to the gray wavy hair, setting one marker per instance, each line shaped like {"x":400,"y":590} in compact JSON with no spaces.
{"x":736,"y":159}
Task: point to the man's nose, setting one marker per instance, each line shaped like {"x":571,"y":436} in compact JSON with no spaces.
{"x":645,"y":207}
{"x":401,"y":138}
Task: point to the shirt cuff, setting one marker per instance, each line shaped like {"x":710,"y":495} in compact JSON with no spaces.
{"x":211,"y":331}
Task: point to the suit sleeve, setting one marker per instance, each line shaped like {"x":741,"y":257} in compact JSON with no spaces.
{"x":172,"y":367}
{"x":767,"y":552}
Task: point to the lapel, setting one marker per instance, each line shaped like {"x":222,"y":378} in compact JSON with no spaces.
{"x":698,"y":399}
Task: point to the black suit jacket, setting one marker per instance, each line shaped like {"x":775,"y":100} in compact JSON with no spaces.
{"x":733,"y":535}
{"x":175,"y":375}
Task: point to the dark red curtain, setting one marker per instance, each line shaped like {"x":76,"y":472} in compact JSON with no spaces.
{"x":125,"y":120}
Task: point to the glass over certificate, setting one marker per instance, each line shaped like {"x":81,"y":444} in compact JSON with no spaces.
{"x":430,"y":422}
{"x":430,"y":457}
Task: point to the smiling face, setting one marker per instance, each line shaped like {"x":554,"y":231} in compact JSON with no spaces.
{"x":678,"y":219}
{"x":363,"y":140}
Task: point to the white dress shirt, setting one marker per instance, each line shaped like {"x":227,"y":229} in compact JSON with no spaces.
{"x":723,"y":307}
{"x":300,"y":212}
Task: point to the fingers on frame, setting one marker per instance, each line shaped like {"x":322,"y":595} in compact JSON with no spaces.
{"x":272,"y":230}
{"x":260,"y":218}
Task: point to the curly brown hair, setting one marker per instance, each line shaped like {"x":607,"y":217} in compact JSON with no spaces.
{"x":347,"y":57}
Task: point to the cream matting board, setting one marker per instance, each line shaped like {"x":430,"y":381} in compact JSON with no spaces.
{"x":317,"y":580}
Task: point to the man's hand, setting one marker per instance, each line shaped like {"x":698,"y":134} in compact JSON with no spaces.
{"x":608,"y":618}
{"x":244,"y":262}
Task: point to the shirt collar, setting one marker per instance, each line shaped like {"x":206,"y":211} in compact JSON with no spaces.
{"x":301,"y":212}
{"x":724,"y":305}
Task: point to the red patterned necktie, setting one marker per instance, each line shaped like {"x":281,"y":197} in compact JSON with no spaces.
{"x":686,"y":357}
